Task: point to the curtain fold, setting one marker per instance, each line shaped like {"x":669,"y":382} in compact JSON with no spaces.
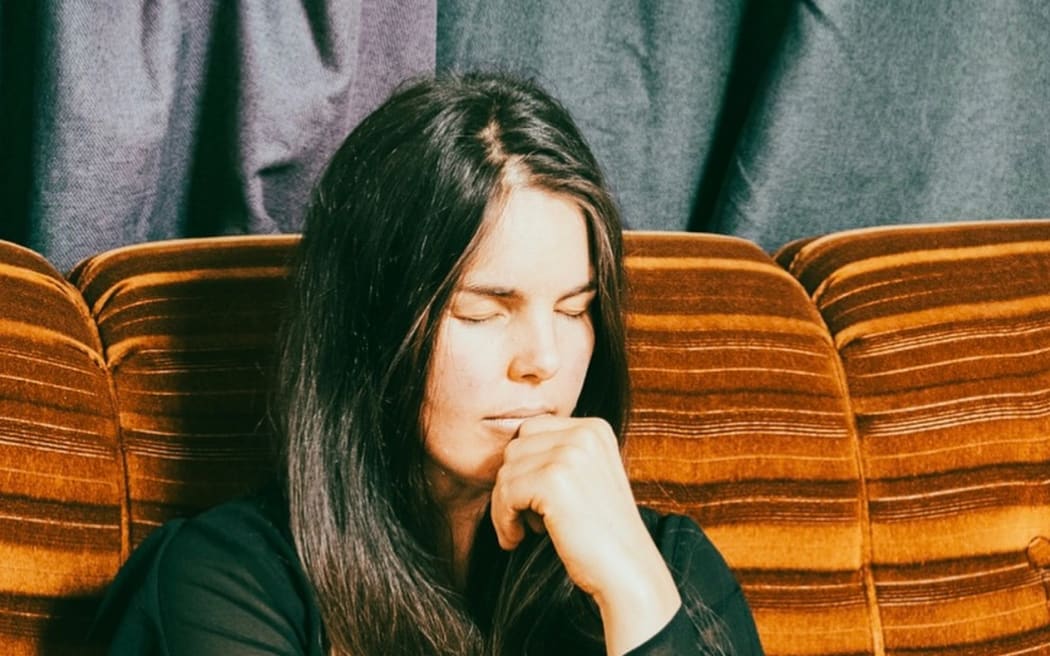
{"x":131,"y":121}
{"x":646,"y":81}
{"x":894,"y":112}
{"x":165,"y":118}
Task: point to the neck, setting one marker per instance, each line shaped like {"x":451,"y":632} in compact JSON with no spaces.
{"x":462,"y":529}
{"x":463,"y":507}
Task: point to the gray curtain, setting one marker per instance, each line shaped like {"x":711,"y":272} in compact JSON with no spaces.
{"x":779,"y":119}
{"x":136,"y":120}
{"x":876,"y":113}
{"x":133,"y":120}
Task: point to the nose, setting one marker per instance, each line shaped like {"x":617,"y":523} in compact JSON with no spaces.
{"x":536,"y":355}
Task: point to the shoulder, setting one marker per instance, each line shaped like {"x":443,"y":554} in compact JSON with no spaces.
{"x":246,"y":536}
{"x":227,"y":578}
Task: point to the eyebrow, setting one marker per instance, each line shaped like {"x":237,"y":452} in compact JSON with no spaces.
{"x":514,"y":294}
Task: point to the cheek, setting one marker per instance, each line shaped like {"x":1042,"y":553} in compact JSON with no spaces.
{"x":580,"y":348}
{"x":462,"y":361}
{"x":461,"y":369}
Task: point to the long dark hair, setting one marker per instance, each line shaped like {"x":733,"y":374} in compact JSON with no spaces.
{"x":393,"y":219}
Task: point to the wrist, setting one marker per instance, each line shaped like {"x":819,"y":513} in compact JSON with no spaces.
{"x":638,"y":606}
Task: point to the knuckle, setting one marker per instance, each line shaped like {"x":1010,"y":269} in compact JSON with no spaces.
{"x":569,"y":459}
{"x":576,"y":456}
{"x":606,"y":434}
{"x":597,"y":435}
{"x":557,"y":481}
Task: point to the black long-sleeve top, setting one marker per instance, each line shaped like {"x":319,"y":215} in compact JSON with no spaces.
{"x":229,"y":582}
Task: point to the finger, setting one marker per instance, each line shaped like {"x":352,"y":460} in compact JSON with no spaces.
{"x":541,"y":434}
{"x":518,"y":499}
{"x":509,"y":530}
{"x":506,"y":517}
{"x":553,"y":423}
{"x":545,"y":423}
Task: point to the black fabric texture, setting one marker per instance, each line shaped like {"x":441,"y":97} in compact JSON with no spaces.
{"x":229,"y":582}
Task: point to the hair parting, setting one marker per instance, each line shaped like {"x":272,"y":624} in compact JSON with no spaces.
{"x":394,"y":221}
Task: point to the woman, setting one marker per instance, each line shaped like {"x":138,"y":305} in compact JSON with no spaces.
{"x":453,"y":385}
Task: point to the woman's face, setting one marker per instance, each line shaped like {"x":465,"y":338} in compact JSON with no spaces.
{"x":515,"y":341}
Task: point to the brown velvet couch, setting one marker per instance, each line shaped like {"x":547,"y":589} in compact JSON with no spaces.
{"x":861,"y":423}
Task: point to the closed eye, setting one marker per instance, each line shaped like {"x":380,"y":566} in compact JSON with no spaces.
{"x":476,"y":319}
{"x":577,"y":305}
{"x":473,"y":308}
{"x":574,"y":313}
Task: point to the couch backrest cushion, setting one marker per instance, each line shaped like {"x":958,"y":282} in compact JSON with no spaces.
{"x":740,"y":416}
{"x":944,"y":333}
{"x":188,"y":330}
{"x":61,"y":487}
{"x":741,"y":420}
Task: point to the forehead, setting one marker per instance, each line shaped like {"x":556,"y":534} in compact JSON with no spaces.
{"x":535,"y":236}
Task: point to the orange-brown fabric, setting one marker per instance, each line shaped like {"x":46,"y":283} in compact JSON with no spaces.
{"x":61,"y":486}
{"x":944,"y":335}
{"x":892,"y":447}
{"x":740,"y":420}
{"x":188,"y":329}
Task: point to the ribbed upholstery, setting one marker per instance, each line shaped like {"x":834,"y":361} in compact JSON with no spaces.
{"x":870,"y":448}
{"x":61,"y":487}
{"x":944,"y":335}
{"x":188,"y":329}
{"x":741,"y":421}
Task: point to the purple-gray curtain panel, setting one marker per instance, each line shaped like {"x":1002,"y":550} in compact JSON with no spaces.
{"x":136,"y":120}
{"x":770,"y":119}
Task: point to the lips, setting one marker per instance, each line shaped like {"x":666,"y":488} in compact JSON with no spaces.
{"x":509,"y":422}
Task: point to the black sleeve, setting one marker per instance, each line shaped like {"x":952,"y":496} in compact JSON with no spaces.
{"x":226,"y":583}
{"x":724,"y":624}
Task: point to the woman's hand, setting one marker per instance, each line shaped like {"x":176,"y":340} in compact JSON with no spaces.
{"x":564,"y":475}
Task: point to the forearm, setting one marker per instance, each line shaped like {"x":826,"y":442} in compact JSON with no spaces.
{"x":640,"y":604}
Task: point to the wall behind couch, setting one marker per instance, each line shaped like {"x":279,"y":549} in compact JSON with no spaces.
{"x":123,"y":122}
